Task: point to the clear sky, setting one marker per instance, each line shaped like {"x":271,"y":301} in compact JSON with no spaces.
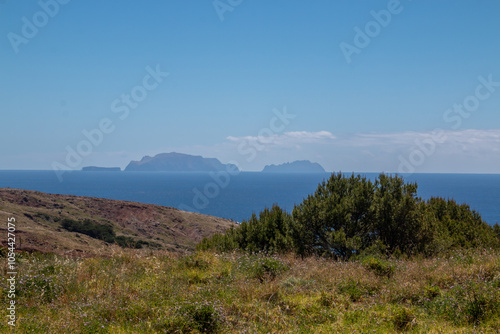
{"x":394,"y":86}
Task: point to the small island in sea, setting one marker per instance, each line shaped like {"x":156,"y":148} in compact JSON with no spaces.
{"x":178,"y":162}
{"x":301,"y":166}
{"x":101,"y":169}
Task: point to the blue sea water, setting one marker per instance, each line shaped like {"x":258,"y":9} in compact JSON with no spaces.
{"x":241,"y":195}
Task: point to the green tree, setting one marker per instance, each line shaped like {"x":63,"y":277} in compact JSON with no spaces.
{"x":336,"y":220}
{"x":269,"y":232}
{"x":349,"y":216}
{"x":398,"y":214}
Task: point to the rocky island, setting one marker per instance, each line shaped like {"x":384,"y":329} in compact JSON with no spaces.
{"x":178,"y":162}
{"x":302,"y":166}
{"x":101,"y":169}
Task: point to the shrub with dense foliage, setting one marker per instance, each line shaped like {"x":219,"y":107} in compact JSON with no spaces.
{"x":352,"y":216}
{"x":102,"y":232}
{"x":90,"y":228}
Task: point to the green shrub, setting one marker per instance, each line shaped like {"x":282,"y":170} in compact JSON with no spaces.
{"x":267,"y":268}
{"x":194,"y":261}
{"x":432,"y":292}
{"x":262,"y":267}
{"x":219,"y":242}
{"x":90,"y":228}
{"x":326,"y":299}
{"x":129,"y":242}
{"x":3,"y":251}
{"x":352,"y":289}
{"x":403,"y":318}
{"x":352,"y":217}
{"x":43,"y":216}
{"x":103,"y":232}
{"x":379,"y":267}
{"x":201,"y":318}
{"x":269,"y":232}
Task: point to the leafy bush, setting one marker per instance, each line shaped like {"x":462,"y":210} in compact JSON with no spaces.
{"x":403,"y":318}
{"x":326,"y":299}
{"x":268,"y":268}
{"x":203,"y":318}
{"x":102,"y":232}
{"x":194,"y":261}
{"x":432,"y":292}
{"x":129,"y":242}
{"x":220,"y":242}
{"x":90,"y":228}
{"x":268,"y":233}
{"x":43,"y":216}
{"x":263,"y":267}
{"x":379,"y":267}
{"x":352,"y":217}
{"x":352,"y":289}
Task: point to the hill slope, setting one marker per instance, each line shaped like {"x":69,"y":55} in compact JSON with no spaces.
{"x":39,"y":215}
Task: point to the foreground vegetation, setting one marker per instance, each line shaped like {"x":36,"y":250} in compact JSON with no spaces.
{"x":144,"y":291}
{"x":103,"y":232}
{"x":356,"y":256}
{"x":351,"y":217}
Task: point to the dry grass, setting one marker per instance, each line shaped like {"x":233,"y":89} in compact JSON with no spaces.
{"x":38,"y":222}
{"x":139,"y":291}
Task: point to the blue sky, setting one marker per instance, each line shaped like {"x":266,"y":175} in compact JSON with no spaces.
{"x":233,"y":66}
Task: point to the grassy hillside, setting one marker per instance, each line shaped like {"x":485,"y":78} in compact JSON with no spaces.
{"x":40,"y":219}
{"x":144,"y":291}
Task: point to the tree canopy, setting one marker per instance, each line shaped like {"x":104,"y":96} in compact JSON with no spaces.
{"x":350,"y":216}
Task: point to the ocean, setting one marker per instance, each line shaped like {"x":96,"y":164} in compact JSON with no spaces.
{"x":237,"y":197}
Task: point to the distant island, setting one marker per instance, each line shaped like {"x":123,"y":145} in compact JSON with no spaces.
{"x":101,"y":169}
{"x":302,"y":166}
{"x":178,"y":162}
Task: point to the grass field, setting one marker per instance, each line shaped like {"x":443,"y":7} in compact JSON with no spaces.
{"x":143,"y":291}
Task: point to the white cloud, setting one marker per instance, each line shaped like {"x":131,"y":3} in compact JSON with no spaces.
{"x":473,"y":151}
{"x":409,"y":138}
{"x":288,"y":138}
{"x":467,"y":151}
